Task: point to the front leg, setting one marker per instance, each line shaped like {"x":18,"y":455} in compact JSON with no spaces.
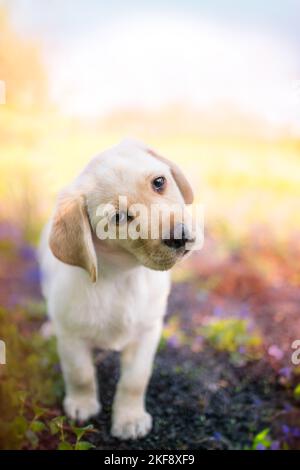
{"x":130,"y":419}
{"x":81,"y":401}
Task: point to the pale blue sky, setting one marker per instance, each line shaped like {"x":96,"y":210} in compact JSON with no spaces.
{"x":70,"y":17}
{"x":115,"y":54}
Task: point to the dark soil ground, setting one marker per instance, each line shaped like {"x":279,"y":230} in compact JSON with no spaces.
{"x":202,"y":400}
{"x":198,"y":401}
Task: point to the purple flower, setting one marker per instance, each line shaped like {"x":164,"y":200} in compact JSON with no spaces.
{"x":285,"y":429}
{"x":218,"y":436}
{"x":275,"y":352}
{"x":33,"y":275}
{"x":257,"y":401}
{"x":260,"y":447}
{"x":275,"y":445}
{"x":27,"y":252}
{"x":244,"y":312}
{"x":218,"y":312}
{"x":296,"y":432}
{"x":173,"y":341}
{"x":286,"y":372}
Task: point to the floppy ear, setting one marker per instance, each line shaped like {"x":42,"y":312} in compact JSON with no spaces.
{"x":71,"y":237}
{"x":182,"y":182}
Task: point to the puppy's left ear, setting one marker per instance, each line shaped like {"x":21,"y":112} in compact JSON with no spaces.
{"x":179,"y":177}
{"x":71,"y":237}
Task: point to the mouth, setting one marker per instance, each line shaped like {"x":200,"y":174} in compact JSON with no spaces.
{"x":157,"y":256}
{"x":167,"y":260}
{"x":159,"y":260}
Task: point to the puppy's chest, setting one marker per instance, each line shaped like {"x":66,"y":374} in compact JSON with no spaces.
{"x":116,"y":313}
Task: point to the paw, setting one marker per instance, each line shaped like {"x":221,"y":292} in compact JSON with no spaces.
{"x":132,"y":427}
{"x":81,"y":408}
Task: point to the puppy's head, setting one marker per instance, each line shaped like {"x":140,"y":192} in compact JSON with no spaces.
{"x":128,"y":203}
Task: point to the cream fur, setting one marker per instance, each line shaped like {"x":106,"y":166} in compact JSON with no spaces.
{"x":124,"y":309}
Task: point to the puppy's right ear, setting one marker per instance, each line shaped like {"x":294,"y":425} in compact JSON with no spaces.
{"x":71,"y":237}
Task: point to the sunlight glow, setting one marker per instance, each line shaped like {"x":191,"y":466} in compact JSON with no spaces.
{"x":150,"y":61}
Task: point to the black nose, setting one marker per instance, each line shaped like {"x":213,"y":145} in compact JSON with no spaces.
{"x":178,"y":237}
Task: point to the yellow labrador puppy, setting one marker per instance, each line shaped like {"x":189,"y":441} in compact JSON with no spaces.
{"x":105,"y":285}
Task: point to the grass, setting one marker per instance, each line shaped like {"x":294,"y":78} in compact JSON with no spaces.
{"x":30,"y":381}
{"x":30,"y":387}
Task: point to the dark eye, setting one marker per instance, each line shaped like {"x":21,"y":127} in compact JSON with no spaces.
{"x":159,"y":183}
{"x":120,"y":218}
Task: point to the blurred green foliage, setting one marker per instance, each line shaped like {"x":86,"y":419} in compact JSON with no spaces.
{"x":30,"y":382}
{"x":262,"y":440}
{"x":30,"y":386}
{"x":297,"y":392}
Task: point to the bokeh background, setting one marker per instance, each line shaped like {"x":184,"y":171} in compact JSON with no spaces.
{"x":214,"y":85}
